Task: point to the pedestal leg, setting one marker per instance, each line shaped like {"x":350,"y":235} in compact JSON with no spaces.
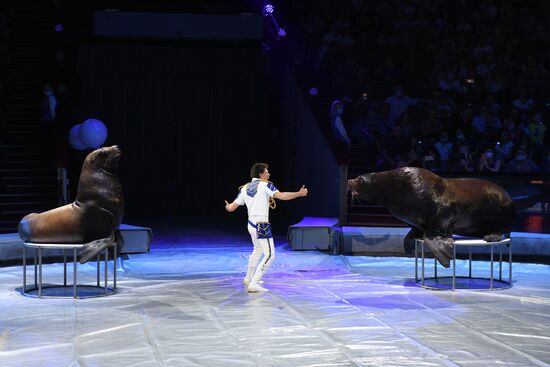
{"x":98,"y":269}
{"x":500,"y":264}
{"x":24,"y":271}
{"x":75,"y":280}
{"x":469,"y":262}
{"x":64,"y":267}
{"x":491,"y":279}
{"x":454,"y":267}
{"x":415,"y":261}
{"x":106,"y":268}
{"x":39,"y":272}
{"x":35,"y":270}
{"x":422,"y":249}
{"x":510,"y":262}
{"x":115,"y":266}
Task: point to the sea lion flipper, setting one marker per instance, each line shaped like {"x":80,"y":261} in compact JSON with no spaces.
{"x":442,"y":248}
{"x":91,"y":249}
{"x":493,"y":237}
{"x":408,"y":243}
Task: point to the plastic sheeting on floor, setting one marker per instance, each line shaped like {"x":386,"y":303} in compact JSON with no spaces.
{"x":187,"y":307}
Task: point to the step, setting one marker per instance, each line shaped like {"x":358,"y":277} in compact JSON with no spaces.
{"x":29,"y":131}
{"x":23,"y":153}
{"x":24,"y":87}
{"x":37,"y":71}
{"x":31,"y":186}
{"x":373,"y":211}
{"x":31,"y":64}
{"x":28,"y":172}
{"x":35,"y":74}
{"x":51,"y":191}
{"x":33,"y":93}
{"x":374,"y":220}
{"x":30,"y":164}
{"x":26,"y":83}
{"x":8,"y":148}
{"x":19,"y":181}
{"x":22,"y":115}
{"x":19,"y":197}
{"x":27,"y":205}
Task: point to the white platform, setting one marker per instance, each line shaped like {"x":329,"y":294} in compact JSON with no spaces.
{"x":136,"y":240}
{"x":389,"y":240}
{"x":186,"y":307}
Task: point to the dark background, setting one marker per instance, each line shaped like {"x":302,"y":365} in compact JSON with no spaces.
{"x":190,"y":121}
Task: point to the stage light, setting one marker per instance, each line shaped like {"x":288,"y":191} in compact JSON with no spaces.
{"x":268,"y":9}
{"x":313,"y":91}
{"x":58,"y":27}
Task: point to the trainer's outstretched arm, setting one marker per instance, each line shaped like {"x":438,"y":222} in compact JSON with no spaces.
{"x":291,"y":195}
{"x":231,"y":207}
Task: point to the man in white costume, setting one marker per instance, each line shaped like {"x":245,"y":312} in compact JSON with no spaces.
{"x":258,"y":195}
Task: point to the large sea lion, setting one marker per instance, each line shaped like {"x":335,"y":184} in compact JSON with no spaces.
{"x":93,"y":218}
{"x":437,"y":207}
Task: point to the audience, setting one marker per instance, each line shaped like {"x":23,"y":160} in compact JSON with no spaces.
{"x":476,"y":75}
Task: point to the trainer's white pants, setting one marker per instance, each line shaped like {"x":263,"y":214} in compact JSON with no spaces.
{"x":256,"y":268}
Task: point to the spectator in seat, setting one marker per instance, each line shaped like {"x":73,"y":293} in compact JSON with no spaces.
{"x":488,"y":163}
{"x":374,"y":123}
{"x":537,"y":131}
{"x":399,"y":103}
{"x":486,"y":125}
{"x":461,"y":138}
{"x":521,"y":164}
{"x":463,"y":160}
{"x":431,"y":160}
{"x":513,"y":126}
{"x":444,"y":148}
{"x":433,"y":126}
{"x":394,"y":149}
{"x":504,"y":147}
{"x":523,"y":103}
{"x":337,"y":125}
{"x":407,"y":126}
{"x":415,"y":154}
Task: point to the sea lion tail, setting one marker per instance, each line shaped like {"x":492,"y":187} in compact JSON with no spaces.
{"x":91,"y":249}
{"x":24,"y":227}
{"x":441,"y":247}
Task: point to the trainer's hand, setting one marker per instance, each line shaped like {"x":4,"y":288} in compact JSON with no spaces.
{"x":303,"y":191}
{"x":227,"y":206}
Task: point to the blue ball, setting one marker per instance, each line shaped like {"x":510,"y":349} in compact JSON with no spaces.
{"x":93,"y":133}
{"x":74,"y":138}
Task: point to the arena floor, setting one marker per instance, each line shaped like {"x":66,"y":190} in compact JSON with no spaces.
{"x":183,"y":304}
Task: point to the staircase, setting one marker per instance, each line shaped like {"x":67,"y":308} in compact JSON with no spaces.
{"x":28,"y":184}
{"x":303,"y":56}
{"x":363,"y":214}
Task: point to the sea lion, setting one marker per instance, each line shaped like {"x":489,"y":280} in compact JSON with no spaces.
{"x":93,"y":218}
{"x":437,"y":208}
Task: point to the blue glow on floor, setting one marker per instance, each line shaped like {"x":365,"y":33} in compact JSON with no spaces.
{"x":183,"y":304}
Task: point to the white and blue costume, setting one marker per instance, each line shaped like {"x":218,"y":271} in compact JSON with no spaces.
{"x":257,"y":195}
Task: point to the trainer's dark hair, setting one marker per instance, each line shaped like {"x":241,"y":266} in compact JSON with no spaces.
{"x":257,"y":169}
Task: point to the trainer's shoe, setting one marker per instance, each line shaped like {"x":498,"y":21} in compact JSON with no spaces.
{"x":253,"y":288}
{"x":246,"y":281}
